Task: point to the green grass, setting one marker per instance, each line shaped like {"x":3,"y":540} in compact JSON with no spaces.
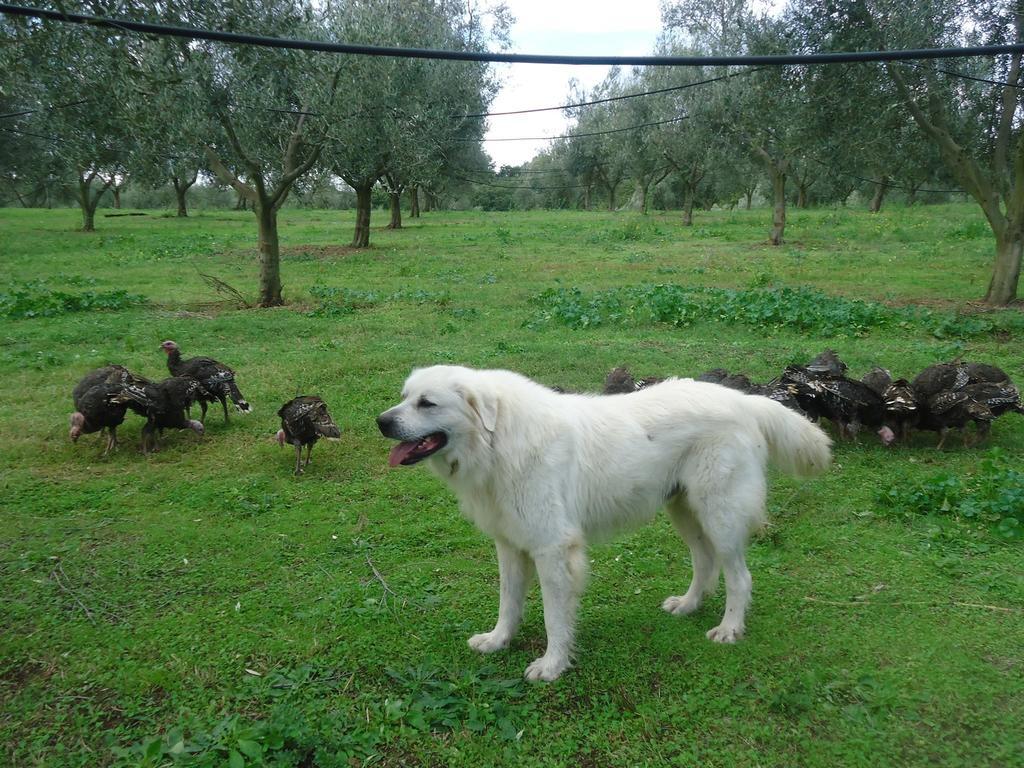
{"x":203,"y":607}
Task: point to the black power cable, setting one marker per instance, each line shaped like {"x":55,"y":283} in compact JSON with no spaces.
{"x":193,"y":33}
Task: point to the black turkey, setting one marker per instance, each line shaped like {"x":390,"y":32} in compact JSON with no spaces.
{"x":217,"y":379}
{"x":714,"y":376}
{"x":165,"y":404}
{"x":721,"y":376}
{"x":96,"y":408}
{"x":304,"y":420}
{"x":802,"y":386}
{"x":620,"y":381}
{"x":980,"y":403}
{"x":899,"y":402}
{"x":851,"y":404}
{"x":827,"y":364}
{"x":950,"y":377}
{"x":878,"y":379}
{"x":902,"y":410}
{"x":983,"y":372}
{"x":779,"y":392}
{"x":941,"y":377}
{"x":110,"y":374}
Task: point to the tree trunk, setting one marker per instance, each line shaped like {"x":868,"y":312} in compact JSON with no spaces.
{"x":116,"y":190}
{"x":1002,"y":288}
{"x":361,"y":238}
{"x":270,"y":256}
{"x":88,"y":217}
{"x":181,"y":188}
{"x":88,"y":201}
{"x":638,"y":200}
{"x":688,"y":206}
{"x":611,"y":196}
{"x":414,"y":202}
{"x":396,"y":210}
{"x":182,"y":208}
{"x":749,"y":194}
{"x":881,"y":188}
{"x":586,"y":197}
{"x":779,"y":205}
{"x":801,"y":196}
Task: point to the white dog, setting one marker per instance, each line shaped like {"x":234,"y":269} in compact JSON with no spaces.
{"x":545,"y":474}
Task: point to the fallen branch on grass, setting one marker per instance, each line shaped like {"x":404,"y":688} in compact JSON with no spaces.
{"x":58,"y":576}
{"x":380,"y":578}
{"x":226,"y":290}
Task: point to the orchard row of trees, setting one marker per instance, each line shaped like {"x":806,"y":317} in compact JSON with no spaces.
{"x":267,"y":122}
{"x":803,"y":134}
{"x":98,"y":105}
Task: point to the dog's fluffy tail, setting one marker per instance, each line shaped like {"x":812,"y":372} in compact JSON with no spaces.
{"x":795,"y":445}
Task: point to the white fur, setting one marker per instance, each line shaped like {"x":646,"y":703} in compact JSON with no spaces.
{"x":545,"y":474}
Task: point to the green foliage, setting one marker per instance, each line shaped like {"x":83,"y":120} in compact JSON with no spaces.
{"x":345,"y":301}
{"x":993,"y":496}
{"x":802,"y":308}
{"x":281,"y":740}
{"x":35,"y":298}
{"x":629,"y":231}
{"x":474,"y":700}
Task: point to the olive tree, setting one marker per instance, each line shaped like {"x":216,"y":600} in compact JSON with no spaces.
{"x":73,"y":82}
{"x":403,"y":119}
{"x":259,"y":106}
{"x":969,"y":111}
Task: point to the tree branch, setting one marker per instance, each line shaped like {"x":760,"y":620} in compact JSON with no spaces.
{"x":236,"y":145}
{"x":223,"y":173}
{"x":964,"y":168}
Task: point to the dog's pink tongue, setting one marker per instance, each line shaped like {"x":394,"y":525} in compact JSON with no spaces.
{"x":400,"y":452}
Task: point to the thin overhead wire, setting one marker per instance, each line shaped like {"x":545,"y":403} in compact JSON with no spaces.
{"x":614,"y":98}
{"x":834,"y":172}
{"x":22,"y":113}
{"x":961,"y":75}
{"x":590,"y":133}
{"x":194,"y":33}
{"x":507,"y":186}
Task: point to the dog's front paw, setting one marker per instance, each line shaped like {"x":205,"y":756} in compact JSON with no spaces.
{"x":680,"y":605}
{"x":546,"y":668}
{"x":725,"y":634}
{"x":488,"y":642}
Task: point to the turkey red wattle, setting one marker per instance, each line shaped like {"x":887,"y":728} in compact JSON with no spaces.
{"x":411,"y":451}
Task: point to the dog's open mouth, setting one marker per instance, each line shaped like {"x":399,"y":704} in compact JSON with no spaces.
{"x":411,"y":451}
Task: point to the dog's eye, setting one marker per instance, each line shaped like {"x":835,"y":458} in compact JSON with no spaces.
{"x":424,"y":403}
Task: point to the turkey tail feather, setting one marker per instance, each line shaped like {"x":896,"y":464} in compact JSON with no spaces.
{"x":327,"y":428}
{"x":236,"y":397}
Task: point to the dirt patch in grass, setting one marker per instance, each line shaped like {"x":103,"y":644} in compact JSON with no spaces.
{"x":18,"y":675}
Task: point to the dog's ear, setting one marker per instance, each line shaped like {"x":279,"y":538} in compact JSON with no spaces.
{"x":484,"y":404}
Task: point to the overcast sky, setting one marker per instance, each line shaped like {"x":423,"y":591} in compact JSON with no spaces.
{"x":573,"y":27}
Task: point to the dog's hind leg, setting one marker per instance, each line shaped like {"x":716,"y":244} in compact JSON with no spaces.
{"x":562,"y":572}
{"x":702,"y":554}
{"x":737,"y":597}
{"x":727,"y":514}
{"x":515,"y":572}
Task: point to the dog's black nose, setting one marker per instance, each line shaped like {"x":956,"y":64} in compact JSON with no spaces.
{"x":385,"y":424}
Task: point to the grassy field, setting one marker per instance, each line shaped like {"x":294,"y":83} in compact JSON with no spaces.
{"x":201,"y":606}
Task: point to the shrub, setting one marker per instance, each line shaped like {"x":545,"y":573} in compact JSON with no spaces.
{"x":37,"y":299}
{"x":803,"y":309}
{"x":345,"y":301}
{"x":993,"y":496}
